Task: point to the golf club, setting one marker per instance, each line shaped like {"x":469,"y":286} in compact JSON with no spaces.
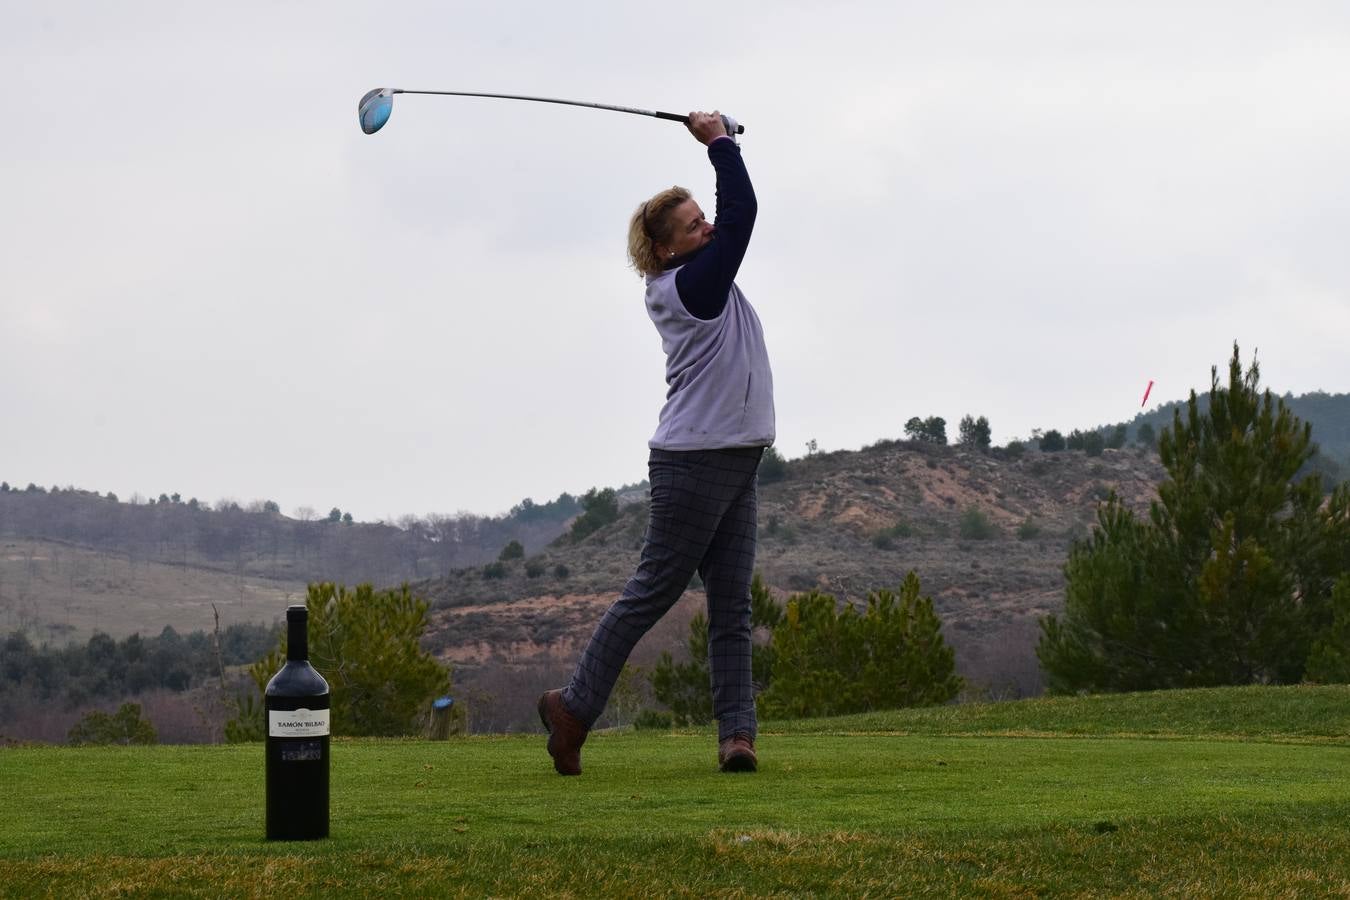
{"x":376,"y":105}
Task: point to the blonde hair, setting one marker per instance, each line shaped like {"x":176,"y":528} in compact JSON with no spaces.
{"x":651,"y":225}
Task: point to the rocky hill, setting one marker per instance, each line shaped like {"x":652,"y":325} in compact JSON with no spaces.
{"x":987,"y":534}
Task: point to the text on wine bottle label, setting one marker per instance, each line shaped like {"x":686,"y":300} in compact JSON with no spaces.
{"x":297,"y":722}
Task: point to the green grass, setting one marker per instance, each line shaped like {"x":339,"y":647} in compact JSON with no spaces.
{"x":1227,"y":792}
{"x":1301,"y":713}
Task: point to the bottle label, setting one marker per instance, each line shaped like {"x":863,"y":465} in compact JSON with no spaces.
{"x":297,"y":722}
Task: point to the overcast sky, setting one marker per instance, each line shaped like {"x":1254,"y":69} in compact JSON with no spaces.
{"x":213,"y":283}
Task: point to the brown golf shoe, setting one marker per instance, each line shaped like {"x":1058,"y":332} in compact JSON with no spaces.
{"x":566,"y":734}
{"x":737,"y":754}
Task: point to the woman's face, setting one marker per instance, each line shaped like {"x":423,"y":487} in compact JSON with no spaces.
{"x":690,"y":230}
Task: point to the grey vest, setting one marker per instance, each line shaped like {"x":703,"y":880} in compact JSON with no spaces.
{"x":721,"y":388}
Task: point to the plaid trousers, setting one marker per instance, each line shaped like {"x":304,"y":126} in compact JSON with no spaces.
{"x":703,"y":519}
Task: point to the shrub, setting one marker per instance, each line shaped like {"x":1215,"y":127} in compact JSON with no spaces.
{"x":975,"y":525}
{"x":772,"y":466}
{"x":513,"y":550}
{"x":122,"y":727}
{"x":601,"y":508}
{"x":686,"y":687}
{"x":1329,"y":659}
{"x":654,"y":720}
{"x":367,"y":644}
{"x":828,"y":662}
{"x":776,"y":529}
{"x":886,"y":538}
{"x":1028,"y":530}
{"x":534,"y":568}
{"x":494,"y":570}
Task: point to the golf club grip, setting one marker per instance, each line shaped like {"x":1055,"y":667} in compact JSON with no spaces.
{"x":676,"y":117}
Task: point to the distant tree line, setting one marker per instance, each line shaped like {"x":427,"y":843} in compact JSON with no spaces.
{"x":1093,"y":443}
{"x":105,"y":668}
{"x":1329,"y":415}
{"x":259,"y":541}
{"x":972,"y":432}
{"x":1114,"y":437}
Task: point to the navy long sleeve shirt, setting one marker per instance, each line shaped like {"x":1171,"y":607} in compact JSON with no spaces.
{"x":705,"y":276}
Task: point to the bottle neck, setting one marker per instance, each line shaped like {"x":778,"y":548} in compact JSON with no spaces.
{"x":297,"y":638}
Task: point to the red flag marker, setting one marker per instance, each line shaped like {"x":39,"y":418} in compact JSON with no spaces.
{"x":1146,"y":393}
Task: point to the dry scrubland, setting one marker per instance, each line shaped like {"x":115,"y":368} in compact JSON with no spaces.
{"x":845,"y":523}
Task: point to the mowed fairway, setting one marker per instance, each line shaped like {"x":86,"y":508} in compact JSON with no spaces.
{"x":1233,"y":792}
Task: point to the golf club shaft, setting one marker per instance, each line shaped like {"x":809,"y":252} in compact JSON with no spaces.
{"x":673,"y":117}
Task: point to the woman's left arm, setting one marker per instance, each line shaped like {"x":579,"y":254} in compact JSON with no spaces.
{"x":705,"y":281}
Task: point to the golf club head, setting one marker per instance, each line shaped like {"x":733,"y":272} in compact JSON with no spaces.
{"x":374,"y":109}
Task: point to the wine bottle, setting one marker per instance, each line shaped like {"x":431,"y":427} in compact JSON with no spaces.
{"x":297,"y":702}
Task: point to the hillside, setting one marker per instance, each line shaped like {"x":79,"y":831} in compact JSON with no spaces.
{"x":75,"y":561}
{"x":72,"y":561}
{"x":845,"y":523}
{"x":1329,"y":415}
{"x":55,"y":592}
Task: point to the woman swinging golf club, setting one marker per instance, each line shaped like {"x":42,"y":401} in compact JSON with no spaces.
{"x":716,"y":422}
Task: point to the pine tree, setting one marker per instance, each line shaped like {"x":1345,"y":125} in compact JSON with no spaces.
{"x":974,"y":433}
{"x":1229,"y":579}
{"x":366,"y":643}
{"x":932,"y":430}
{"x":601,"y":507}
{"x":686,"y":688}
{"x":1329,"y":661}
{"x":830,"y":662}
